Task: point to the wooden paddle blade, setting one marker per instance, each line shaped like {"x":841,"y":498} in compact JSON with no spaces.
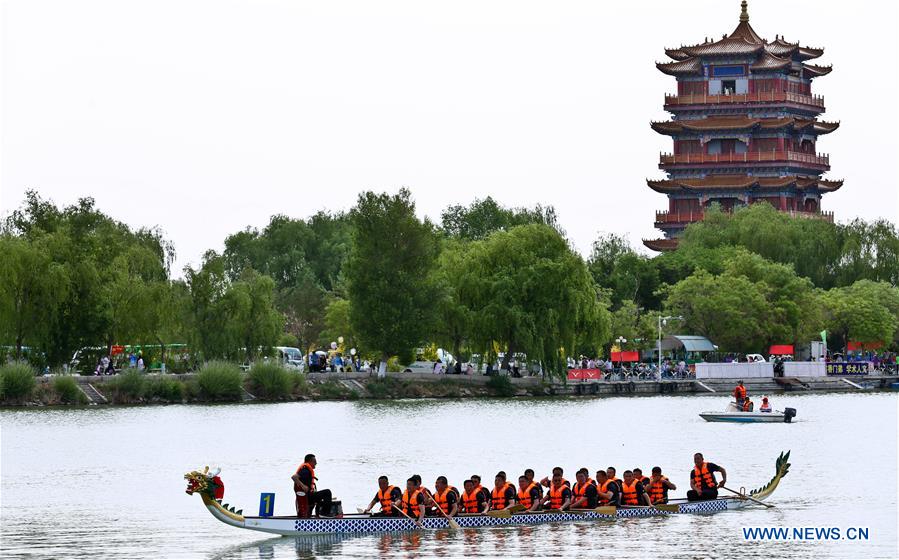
{"x":500,"y":513}
{"x":553,"y":511}
{"x":517,"y":508}
{"x":606,"y":510}
{"x":670,"y":508}
{"x":453,"y":524}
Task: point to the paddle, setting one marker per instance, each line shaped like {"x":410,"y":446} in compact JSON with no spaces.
{"x":670,"y":508}
{"x":452,"y":523}
{"x":399,"y":509}
{"x":748,"y":497}
{"x":499,"y":513}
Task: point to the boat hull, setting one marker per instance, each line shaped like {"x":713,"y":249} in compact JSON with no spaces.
{"x":355,"y":525}
{"x":742,"y":417}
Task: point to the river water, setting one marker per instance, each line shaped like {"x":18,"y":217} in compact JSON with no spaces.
{"x":107,"y":482}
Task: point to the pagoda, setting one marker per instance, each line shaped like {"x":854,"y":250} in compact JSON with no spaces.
{"x":745,"y":130}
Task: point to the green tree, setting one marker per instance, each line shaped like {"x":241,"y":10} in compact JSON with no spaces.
{"x":250,"y":314}
{"x":337,"y":323}
{"x":866,"y":311}
{"x":638,"y":328}
{"x":453,"y":326}
{"x":483,"y":217}
{"x":627,"y":275}
{"x":388,"y":275}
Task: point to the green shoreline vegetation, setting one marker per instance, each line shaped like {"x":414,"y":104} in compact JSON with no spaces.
{"x":486,"y":283}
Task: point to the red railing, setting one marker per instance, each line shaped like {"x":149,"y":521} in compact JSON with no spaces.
{"x":757,"y":97}
{"x":746,"y":157}
{"x":666,"y":217}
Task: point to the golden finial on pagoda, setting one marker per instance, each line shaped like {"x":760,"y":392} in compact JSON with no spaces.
{"x":744,"y":12}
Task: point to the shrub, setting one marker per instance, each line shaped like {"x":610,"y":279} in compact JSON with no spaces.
{"x":386,"y":388}
{"x":67,"y":390}
{"x":17,"y":379}
{"x":125,"y":387}
{"x":333,"y":390}
{"x":164,"y":389}
{"x":220,"y":381}
{"x":300,"y":385}
{"x":270,"y":381}
{"x":501,"y":386}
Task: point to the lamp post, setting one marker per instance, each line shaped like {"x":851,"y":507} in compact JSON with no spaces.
{"x":664,"y":321}
{"x":621,"y":341}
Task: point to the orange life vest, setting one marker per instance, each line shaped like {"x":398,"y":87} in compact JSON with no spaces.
{"x":702,"y":477}
{"x":440,"y":498}
{"x":629,"y":494}
{"x":311,"y":471}
{"x":385,"y":500}
{"x":470,"y":501}
{"x":498,"y":497}
{"x":604,"y":487}
{"x":643,"y":480}
{"x":555,"y":496}
{"x":580,"y":490}
{"x":739,"y":392}
{"x":658,"y":492}
{"x":524,"y":496}
{"x":410,"y":503}
{"x":747,"y":405}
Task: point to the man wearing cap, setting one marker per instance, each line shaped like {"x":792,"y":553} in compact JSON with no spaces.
{"x":765,"y":406}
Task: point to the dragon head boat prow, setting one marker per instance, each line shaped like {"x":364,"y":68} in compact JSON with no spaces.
{"x":782,"y":468}
{"x":211,"y":489}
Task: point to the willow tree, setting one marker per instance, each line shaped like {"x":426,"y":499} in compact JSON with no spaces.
{"x":529,"y":292}
{"x":388,"y":275}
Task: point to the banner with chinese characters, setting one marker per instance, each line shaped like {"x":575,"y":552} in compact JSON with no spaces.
{"x":847,"y":368}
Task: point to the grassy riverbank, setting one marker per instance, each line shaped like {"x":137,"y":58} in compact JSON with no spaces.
{"x":225,"y":382}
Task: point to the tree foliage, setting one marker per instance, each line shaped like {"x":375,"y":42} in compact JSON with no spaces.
{"x":483,"y":217}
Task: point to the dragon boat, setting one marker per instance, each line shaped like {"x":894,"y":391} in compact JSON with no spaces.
{"x":208,"y":486}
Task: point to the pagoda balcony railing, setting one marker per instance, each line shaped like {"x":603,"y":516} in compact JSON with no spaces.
{"x":746,"y":157}
{"x":666,"y":217}
{"x":757,"y":97}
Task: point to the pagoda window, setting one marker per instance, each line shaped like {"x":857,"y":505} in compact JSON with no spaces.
{"x":764,"y":145}
{"x":728,"y":87}
{"x":687,"y":147}
{"x":811,"y":205}
{"x":692,"y":88}
{"x":726,"y":146}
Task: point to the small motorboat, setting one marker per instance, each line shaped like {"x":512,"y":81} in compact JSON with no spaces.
{"x":734,"y":414}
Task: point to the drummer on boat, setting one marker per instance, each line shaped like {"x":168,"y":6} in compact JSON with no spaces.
{"x":702,"y":480}
{"x":305,"y":489}
{"x":386,"y":495}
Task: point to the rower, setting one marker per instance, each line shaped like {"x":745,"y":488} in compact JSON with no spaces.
{"x":632,"y":491}
{"x":503,"y":493}
{"x":529,"y":473}
{"x":659,"y":486}
{"x":476,"y":478}
{"x":425,"y":493}
{"x":413,"y":502}
{"x":608,"y":490}
{"x":445,"y":497}
{"x":556,"y":471}
{"x":747,"y":405}
{"x":529,"y":494}
{"x":740,"y":394}
{"x":586,"y":472}
{"x":584,"y":493}
{"x":304,"y":487}
{"x":386,"y":496}
{"x":473,"y":500}
{"x":638,"y":474}
{"x":765,"y":406}
{"x":559,"y":495}
{"x":611,"y":472}
{"x":702,"y":480}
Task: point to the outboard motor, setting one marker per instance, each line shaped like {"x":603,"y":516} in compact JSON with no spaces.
{"x":789,"y":413}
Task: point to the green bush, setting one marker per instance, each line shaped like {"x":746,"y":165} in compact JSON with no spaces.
{"x":220,"y":381}
{"x":333,"y":390}
{"x":67,"y":390}
{"x":300,"y":385}
{"x":165,"y":389}
{"x":501,"y":386}
{"x":17,"y":380}
{"x":386,"y":388}
{"x":125,"y":387}
{"x":270,"y":381}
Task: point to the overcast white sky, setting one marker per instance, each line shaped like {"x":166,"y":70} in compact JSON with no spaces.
{"x":207,"y":116}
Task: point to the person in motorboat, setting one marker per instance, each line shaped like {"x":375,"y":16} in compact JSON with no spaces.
{"x":748,"y":405}
{"x":559,"y":495}
{"x":529,"y":494}
{"x":386,"y":495}
{"x":305,"y":487}
{"x":607,"y":490}
{"x":702,"y":480}
{"x":766,"y":407}
{"x":659,"y":486}
{"x":632,"y":491}
{"x":740,"y":394}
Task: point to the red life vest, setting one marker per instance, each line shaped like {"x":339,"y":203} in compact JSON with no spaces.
{"x":703,"y":478}
{"x":498,"y":497}
{"x":470,"y":501}
{"x":524,"y":496}
{"x":658,"y":492}
{"x":629,"y":493}
{"x":385,"y":500}
{"x":555,"y":496}
{"x":311,"y":472}
{"x":410,"y":503}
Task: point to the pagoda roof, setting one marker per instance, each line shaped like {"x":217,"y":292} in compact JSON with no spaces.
{"x":742,"y":123}
{"x":813,"y":70}
{"x":742,"y":182}
{"x":686,"y":67}
{"x":743,"y":41}
{"x":661,"y":244}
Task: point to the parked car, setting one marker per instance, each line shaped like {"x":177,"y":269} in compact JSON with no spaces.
{"x":752,"y":358}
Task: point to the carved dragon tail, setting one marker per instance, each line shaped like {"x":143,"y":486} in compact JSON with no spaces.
{"x":783,"y":467}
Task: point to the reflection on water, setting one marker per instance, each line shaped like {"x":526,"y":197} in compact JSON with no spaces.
{"x":107,"y":482}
